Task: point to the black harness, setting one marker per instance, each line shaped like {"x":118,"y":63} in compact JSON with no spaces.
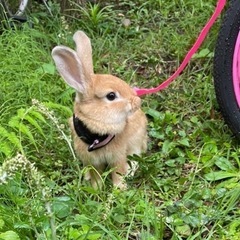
{"x":94,"y":140}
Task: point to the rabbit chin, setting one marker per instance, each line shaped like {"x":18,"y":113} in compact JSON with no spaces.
{"x":101,"y":126}
{"x":112,"y":121}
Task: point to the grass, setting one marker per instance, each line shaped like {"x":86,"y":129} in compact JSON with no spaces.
{"x":187,"y":186}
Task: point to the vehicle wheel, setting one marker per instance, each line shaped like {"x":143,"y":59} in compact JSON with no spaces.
{"x":227,"y":67}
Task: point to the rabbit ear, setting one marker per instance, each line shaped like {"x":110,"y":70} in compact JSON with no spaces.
{"x":70,"y":67}
{"x":84,"y":51}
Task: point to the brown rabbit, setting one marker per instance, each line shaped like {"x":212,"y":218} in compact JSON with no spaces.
{"x":108,"y":123}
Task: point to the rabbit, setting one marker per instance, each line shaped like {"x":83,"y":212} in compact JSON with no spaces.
{"x":107,"y":124}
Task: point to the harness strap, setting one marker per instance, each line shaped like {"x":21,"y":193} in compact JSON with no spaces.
{"x":195,"y":47}
{"x":93,"y":140}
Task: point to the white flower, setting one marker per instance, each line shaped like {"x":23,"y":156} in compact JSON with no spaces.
{"x":3,"y":177}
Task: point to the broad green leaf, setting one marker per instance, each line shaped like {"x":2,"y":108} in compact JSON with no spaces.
{"x":234,"y":227}
{"x":120,"y":218}
{"x":21,"y":225}
{"x":167,"y":146}
{"x":62,"y":206}
{"x":210,"y":148}
{"x":155,"y":114}
{"x":225,"y":164}
{"x":203,"y":53}
{"x":48,"y":68}
{"x":74,"y":233}
{"x":184,"y":230}
{"x":215,"y":176}
{"x":94,"y":236}
{"x":9,"y":235}
{"x":85,"y":228}
{"x":184,"y":142}
{"x":156,"y":134}
{"x":171,"y":163}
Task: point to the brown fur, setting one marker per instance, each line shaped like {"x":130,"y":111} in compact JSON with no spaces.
{"x":121,"y":116}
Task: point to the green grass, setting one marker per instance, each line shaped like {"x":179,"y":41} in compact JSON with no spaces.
{"x":187,"y":186}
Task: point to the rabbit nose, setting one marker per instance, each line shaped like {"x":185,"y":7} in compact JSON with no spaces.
{"x":135,"y":103}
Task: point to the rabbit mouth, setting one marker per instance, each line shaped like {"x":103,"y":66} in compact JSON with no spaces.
{"x":94,"y":140}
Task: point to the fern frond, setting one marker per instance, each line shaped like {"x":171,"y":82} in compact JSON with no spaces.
{"x":64,"y":109}
{"x":18,"y":122}
{"x":34,"y":123}
{"x":3,"y":132}
{"x":27,"y":132}
{"x":5,"y":148}
{"x":14,"y":122}
{"x":21,"y":112}
{"x":38,"y":116}
{"x":8,"y":142}
{"x":24,"y":114}
{"x":15,"y":140}
{"x":11,"y":137}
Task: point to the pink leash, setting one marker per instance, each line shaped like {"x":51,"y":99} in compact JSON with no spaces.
{"x":195,"y":47}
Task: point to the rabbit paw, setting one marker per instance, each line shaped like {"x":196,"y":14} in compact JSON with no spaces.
{"x":122,"y":185}
{"x":87,"y":176}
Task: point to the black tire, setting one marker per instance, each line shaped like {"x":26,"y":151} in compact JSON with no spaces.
{"x":223,"y":61}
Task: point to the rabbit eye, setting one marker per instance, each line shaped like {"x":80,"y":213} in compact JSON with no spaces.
{"x":111,"y":96}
